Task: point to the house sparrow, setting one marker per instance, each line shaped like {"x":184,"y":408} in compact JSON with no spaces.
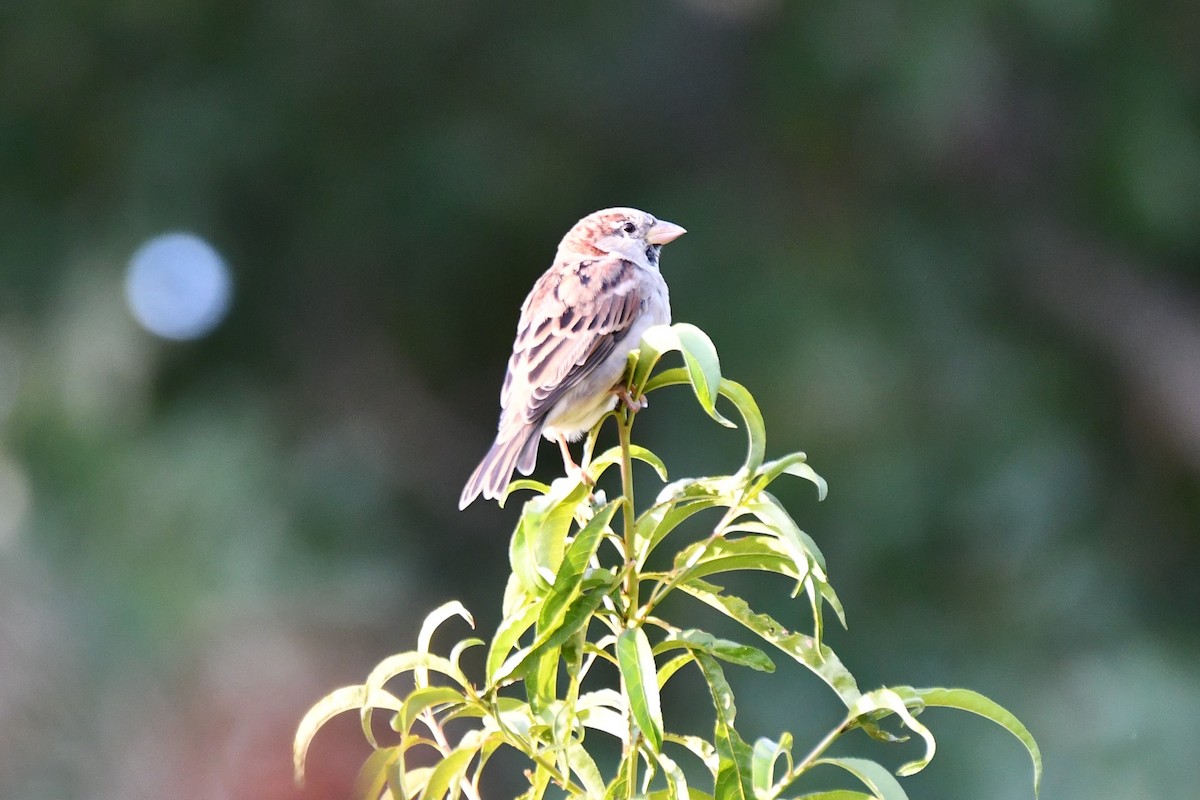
{"x":578,"y":325}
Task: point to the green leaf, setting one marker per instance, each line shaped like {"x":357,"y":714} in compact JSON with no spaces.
{"x":612,"y":456}
{"x":507,"y":636}
{"x":536,"y":549}
{"x":671,"y":667}
{"x":762,"y":763}
{"x":733,"y":779}
{"x":658,"y":521}
{"x":677,"y":786}
{"x":889,"y":700}
{"x":837,"y":794}
{"x":422,"y":698}
{"x":974,"y":702}
{"x":430,"y":626}
{"x":585,"y":769}
{"x":756,"y":429}
{"x":523,"y":483}
{"x":701,"y":364}
{"x":347,"y":698}
{"x":794,"y":464}
{"x":412,"y":782}
{"x":460,"y":647}
{"x":372,"y":776}
{"x":375,"y":697}
{"x":577,"y":615}
{"x":567,"y":582}
{"x":724,"y":649}
{"x":743,"y":553}
{"x":523,"y":560}
{"x":805,"y":649}
{"x":541,"y":678}
{"x":605,"y":720}
{"x":663,"y":794}
{"x":700,"y":748}
{"x":799,"y":544}
{"x":641,"y":363}
{"x":539,"y":782}
{"x":636,"y":662}
{"x":449,"y":772}
{"x":390,"y":667}
{"x":881,"y":782}
{"x":830,"y":597}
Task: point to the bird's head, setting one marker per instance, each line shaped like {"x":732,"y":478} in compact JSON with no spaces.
{"x":625,"y":232}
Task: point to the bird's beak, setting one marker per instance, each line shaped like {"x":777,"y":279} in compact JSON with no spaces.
{"x":662,"y":232}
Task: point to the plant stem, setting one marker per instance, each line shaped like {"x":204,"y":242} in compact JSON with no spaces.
{"x":624,"y":426}
{"x":469,"y":789}
{"x":663,"y":588}
{"x":803,"y":764}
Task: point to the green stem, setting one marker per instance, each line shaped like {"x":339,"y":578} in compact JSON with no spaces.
{"x":803,"y":765}
{"x":530,"y":750}
{"x":624,"y":426}
{"x":663,"y":588}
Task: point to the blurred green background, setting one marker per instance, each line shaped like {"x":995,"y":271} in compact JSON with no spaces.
{"x":951,"y":247}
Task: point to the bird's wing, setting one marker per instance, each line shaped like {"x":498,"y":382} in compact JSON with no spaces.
{"x":570,"y":323}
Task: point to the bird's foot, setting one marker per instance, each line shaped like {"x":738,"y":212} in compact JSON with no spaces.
{"x":633,"y":405}
{"x":570,"y":467}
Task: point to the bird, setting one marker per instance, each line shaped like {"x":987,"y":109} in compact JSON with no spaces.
{"x":578,"y":324}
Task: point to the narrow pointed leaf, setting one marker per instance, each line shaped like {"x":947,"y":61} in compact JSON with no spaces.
{"x":430,"y":626}
{"x":881,"y":782}
{"x":671,"y":667}
{"x":677,"y":786}
{"x":817,"y":657}
{"x":537,"y":546}
{"x":567,"y":582}
{"x":655,"y":523}
{"x":576,"y":616}
{"x":799,"y":543}
{"x":700,"y":748}
{"x":756,"y":429}
{"x":733,"y":781}
{"x":612,"y":456}
{"x":974,"y":702}
{"x":888,"y":700}
{"x":724,"y":649}
{"x":765,"y":755}
{"x":390,"y":667}
{"x":448,"y":772}
{"x":507,"y":636}
{"x":347,"y":698}
{"x":638,"y":672}
{"x":585,"y":769}
{"x":794,"y":464}
{"x":702,"y":367}
{"x":422,"y":698}
{"x":372,"y":776}
{"x":743,"y":553}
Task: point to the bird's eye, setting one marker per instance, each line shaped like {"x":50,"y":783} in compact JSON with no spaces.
{"x":629,"y":227}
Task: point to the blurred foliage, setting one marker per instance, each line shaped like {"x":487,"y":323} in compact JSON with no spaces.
{"x":198,"y":538}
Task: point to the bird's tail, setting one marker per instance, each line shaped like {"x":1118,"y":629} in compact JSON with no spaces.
{"x":491,"y":477}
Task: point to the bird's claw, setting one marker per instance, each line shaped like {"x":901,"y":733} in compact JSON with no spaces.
{"x":634,"y":406}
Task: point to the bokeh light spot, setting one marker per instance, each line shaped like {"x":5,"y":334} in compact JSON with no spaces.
{"x":178,"y":286}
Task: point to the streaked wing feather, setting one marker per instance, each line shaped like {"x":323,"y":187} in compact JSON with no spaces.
{"x":570,"y":323}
